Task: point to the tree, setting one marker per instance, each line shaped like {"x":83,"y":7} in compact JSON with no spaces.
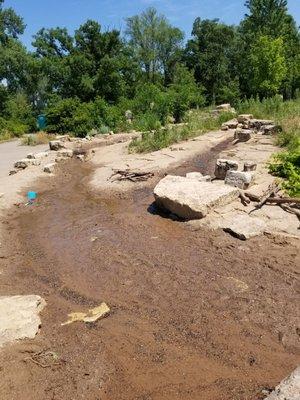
{"x":156,"y":44}
{"x":209,"y":54}
{"x":11,"y":25}
{"x":184,"y":92}
{"x":270,"y":18}
{"x":267,"y":65}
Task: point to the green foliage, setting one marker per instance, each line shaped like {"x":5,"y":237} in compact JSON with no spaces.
{"x":287,"y":166}
{"x":184,"y":93}
{"x":268,"y":65}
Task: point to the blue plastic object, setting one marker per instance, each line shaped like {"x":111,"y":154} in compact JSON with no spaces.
{"x":41,"y":122}
{"x":31,"y":196}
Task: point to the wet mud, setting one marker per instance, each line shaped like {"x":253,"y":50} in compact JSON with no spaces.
{"x":194,"y":315}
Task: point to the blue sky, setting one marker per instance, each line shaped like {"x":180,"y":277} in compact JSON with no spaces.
{"x":111,"y":13}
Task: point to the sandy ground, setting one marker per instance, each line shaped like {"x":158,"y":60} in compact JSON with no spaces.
{"x":107,"y":159}
{"x":194,"y":314}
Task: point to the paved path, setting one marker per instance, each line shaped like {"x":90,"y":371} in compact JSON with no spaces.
{"x":13,"y":151}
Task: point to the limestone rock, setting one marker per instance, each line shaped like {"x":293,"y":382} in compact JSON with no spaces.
{"x":224,"y":107}
{"x":222,"y":166}
{"x":190,"y":199}
{"x":26,"y":162}
{"x":243,"y":226}
{"x":288,"y":389}
{"x":37,"y":156}
{"x":250,"y":166}
{"x":63,"y":138}
{"x":232,"y":124}
{"x":65,"y":153}
{"x":19,"y":317}
{"x":241,"y":180}
{"x":224,"y":127}
{"x":244,"y":118}
{"x":56,"y":145}
{"x":259,"y":123}
{"x":49,"y":168}
{"x":270,"y":129}
{"x":242,"y":135}
{"x":198,"y":177}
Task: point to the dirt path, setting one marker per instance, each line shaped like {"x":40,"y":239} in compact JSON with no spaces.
{"x":195,"y":315}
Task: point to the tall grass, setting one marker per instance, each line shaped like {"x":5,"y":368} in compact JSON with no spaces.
{"x":197,"y":122}
{"x":285,"y":164}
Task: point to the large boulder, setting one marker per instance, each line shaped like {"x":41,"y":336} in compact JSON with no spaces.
{"x":191,"y":199}
{"x":19,"y":317}
{"x":244,"y":118}
{"x":288,"y":389}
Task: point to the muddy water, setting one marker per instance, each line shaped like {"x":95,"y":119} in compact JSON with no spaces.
{"x":195,"y":315}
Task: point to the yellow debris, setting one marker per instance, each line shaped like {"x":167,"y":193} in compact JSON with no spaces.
{"x":91,"y":316}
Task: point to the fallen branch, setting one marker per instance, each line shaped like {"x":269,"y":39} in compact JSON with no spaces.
{"x":283,"y":200}
{"x":133,"y":176}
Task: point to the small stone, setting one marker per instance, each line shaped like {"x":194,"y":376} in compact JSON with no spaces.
{"x":222,"y":166}
{"x":26,"y":162}
{"x":12,"y":172}
{"x":242,"y":135}
{"x":244,"y":118}
{"x":241,"y":180}
{"x":49,"y":168}
{"x":56,"y":145}
{"x":224,"y":127}
{"x":250,"y":166}
{"x":80,"y":157}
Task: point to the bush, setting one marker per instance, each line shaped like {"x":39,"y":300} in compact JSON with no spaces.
{"x":36,"y":139}
{"x":287,"y":165}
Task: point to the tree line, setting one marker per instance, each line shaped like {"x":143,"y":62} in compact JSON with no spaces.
{"x":87,"y":80}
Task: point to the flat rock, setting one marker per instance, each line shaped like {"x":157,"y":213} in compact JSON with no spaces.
{"x":191,"y":199}
{"x":243,"y":135}
{"x":288,"y":389}
{"x":243,"y":226}
{"x":232,"y":124}
{"x":19,"y":317}
{"x":198,"y":177}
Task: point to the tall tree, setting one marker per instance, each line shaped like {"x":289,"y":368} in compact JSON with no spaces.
{"x":156,"y":43}
{"x":209,"y":54}
{"x":270,"y":18}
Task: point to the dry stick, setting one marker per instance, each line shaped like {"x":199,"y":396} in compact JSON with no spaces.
{"x":282,"y":200}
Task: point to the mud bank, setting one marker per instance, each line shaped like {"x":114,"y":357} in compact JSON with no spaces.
{"x":194,"y":314}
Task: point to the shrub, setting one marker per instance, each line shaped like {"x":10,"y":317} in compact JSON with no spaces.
{"x":37,"y":138}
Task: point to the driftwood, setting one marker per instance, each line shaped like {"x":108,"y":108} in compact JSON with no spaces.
{"x":133,"y":176}
{"x":283,"y":200}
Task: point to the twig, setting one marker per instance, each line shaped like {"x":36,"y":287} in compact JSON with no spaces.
{"x":290,"y":209}
{"x":245,"y":200}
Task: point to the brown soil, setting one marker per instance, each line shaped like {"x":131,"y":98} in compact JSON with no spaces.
{"x":195,"y":315}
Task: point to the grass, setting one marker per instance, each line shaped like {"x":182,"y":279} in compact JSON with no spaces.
{"x":36,"y":139}
{"x":197,"y":122}
{"x":4,"y":136}
{"x":285,"y":164}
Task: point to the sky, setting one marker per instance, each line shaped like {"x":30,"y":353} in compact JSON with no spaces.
{"x":112,"y":13}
